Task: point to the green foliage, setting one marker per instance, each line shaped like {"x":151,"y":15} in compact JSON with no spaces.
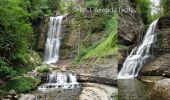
{"x":92,"y":3}
{"x":42,"y":68}
{"x":54,"y":4}
{"x":15,"y":31}
{"x":165,"y":4}
{"x":85,"y":51}
{"x":109,"y":45}
{"x":22,"y":84}
{"x":106,"y":45}
{"x":144,"y":9}
{"x":115,"y":96}
{"x":5,"y":70}
{"x":100,"y":31}
{"x":39,"y":8}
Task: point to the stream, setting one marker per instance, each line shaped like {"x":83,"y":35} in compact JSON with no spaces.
{"x":88,"y":91}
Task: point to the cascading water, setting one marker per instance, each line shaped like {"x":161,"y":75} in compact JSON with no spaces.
{"x":53,"y":40}
{"x":60,"y":80}
{"x":139,"y":55}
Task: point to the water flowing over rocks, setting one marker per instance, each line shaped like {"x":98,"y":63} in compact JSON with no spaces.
{"x":52,"y":45}
{"x":130,"y":31}
{"x":160,"y":65}
{"x":140,"y":55}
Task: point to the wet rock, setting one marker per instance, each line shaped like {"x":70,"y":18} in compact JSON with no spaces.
{"x":27,"y":97}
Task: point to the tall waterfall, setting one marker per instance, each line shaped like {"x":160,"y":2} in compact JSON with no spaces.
{"x":139,"y":55}
{"x":53,"y":40}
{"x":60,"y":80}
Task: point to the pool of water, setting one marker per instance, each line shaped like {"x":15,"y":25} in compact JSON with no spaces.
{"x":133,"y":89}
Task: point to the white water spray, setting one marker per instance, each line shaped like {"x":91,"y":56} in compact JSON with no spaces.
{"x":60,"y":80}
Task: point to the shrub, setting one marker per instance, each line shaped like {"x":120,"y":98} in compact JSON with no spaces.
{"x":42,"y":68}
{"x":22,"y":84}
{"x":5,"y":70}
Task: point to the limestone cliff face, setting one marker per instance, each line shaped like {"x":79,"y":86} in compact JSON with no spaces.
{"x":160,"y":66}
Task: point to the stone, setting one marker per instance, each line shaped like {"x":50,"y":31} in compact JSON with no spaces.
{"x":161,"y":90}
{"x":103,"y":72}
{"x":9,"y":96}
{"x":12,"y":92}
{"x":27,"y":97}
{"x":63,"y":69}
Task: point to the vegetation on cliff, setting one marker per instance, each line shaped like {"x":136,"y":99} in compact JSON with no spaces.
{"x":101,"y":30}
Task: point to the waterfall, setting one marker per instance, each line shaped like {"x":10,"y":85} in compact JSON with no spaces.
{"x":53,"y":40}
{"x":60,"y":80}
{"x":139,"y":55}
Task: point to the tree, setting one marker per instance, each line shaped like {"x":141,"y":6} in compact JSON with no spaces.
{"x":165,"y":4}
{"x":15,"y":31}
{"x":143,"y":8}
{"x":54,"y":4}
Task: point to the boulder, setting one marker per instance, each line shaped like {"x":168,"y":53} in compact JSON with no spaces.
{"x":12,"y":92}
